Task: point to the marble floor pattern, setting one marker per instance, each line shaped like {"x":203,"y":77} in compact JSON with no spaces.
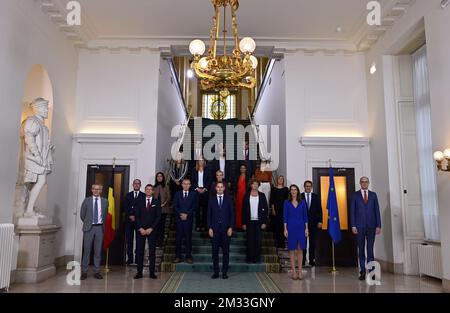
{"x":317,"y":280}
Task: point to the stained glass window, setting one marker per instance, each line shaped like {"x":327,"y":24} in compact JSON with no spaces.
{"x":213,"y":107}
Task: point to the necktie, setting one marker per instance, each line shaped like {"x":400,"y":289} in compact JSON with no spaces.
{"x":148,"y":205}
{"x":185,"y":195}
{"x":220,"y":201}
{"x":96,"y":211}
{"x":308,"y":201}
{"x":365,"y":197}
{"x":135,"y":195}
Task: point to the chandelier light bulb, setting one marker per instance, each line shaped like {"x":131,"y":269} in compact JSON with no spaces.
{"x":203,"y":63}
{"x":439,"y":156}
{"x":254,"y":61}
{"x":197,"y":47}
{"x":190,"y":73}
{"x":247,"y":45}
{"x":447,"y":153}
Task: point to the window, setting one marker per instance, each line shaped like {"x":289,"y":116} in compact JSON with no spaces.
{"x":216,"y":108}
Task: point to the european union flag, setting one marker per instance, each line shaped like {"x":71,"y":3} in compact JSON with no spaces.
{"x":334,"y":227}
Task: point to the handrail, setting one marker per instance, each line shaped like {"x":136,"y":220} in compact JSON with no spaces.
{"x":259,"y":141}
{"x":262,"y":147}
{"x":177,"y":84}
{"x":265,"y":82}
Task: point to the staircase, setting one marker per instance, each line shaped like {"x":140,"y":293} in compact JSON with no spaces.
{"x":197,"y":133}
{"x":203,"y":257}
{"x":201,"y":242}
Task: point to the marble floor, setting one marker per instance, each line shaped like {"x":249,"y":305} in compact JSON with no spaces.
{"x":318,"y":280}
{"x":120,"y":280}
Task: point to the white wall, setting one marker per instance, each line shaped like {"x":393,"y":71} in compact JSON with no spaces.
{"x":117,"y":101}
{"x":28,"y":37}
{"x":325,"y":97}
{"x":272,"y":111}
{"x":437,"y":25}
{"x":170,"y":113}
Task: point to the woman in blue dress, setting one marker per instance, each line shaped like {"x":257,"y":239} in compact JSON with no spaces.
{"x":295,"y":228}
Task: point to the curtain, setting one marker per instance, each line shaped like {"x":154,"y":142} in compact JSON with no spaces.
{"x":427,"y":166}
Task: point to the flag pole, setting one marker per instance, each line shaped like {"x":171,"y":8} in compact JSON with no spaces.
{"x":107,"y":269}
{"x":333,"y":269}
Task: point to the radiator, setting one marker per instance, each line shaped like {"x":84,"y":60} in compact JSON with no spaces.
{"x":430,"y":261}
{"x":6,"y":254}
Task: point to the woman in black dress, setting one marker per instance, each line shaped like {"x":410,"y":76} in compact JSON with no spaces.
{"x":279,"y":194}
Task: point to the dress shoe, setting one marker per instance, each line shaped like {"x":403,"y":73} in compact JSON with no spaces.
{"x":215,"y":276}
{"x":177,"y":260}
{"x":224,"y":276}
{"x":98,"y":276}
{"x":362,"y":276}
{"x":83,"y":276}
{"x":129,"y":262}
{"x":153,"y":276}
{"x":138,"y":276}
{"x":313,"y":264}
{"x":189,"y":261}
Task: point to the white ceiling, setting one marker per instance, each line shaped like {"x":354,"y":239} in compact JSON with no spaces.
{"x":271,"y":19}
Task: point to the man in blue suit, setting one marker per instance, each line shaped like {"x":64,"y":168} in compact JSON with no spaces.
{"x":132,"y":200}
{"x":365,"y":220}
{"x":220,"y":226}
{"x":185,"y":204}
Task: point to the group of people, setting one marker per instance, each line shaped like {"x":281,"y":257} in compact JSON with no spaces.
{"x":220,"y":205}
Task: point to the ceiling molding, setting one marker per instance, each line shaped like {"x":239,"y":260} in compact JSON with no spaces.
{"x":266,"y":46}
{"x":392,"y":12}
{"x":86,"y":36}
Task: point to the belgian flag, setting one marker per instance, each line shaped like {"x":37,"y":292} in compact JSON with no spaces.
{"x":110,"y":225}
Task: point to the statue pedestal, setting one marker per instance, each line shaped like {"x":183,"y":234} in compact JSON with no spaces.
{"x":36,"y":260}
{"x":34,"y":221}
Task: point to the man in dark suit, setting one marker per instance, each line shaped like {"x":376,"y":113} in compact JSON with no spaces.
{"x":365,"y":220}
{"x":132,"y":199}
{"x":314,"y":206}
{"x":219,"y":178}
{"x":93,"y":214}
{"x":185,"y":204}
{"x":148,"y":215}
{"x":254,"y":220}
{"x":220,"y":229}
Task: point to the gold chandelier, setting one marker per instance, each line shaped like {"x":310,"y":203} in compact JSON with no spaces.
{"x":224,"y":72}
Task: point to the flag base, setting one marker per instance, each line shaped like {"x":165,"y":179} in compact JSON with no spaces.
{"x":333,"y":271}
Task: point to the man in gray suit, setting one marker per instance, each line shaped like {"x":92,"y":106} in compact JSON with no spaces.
{"x":93,"y":214}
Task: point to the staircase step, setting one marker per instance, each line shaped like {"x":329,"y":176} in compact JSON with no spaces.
{"x":236,"y":235}
{"x":233,"y":249}
{"x":207,"y":241}
{"x":208,"y":267}
{"x":234,"y":258}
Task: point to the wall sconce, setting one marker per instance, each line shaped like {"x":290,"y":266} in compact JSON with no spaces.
{"x":440,"y":157}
